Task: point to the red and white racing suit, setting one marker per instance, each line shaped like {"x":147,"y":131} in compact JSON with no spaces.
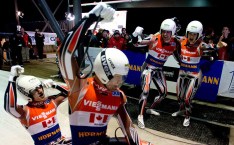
{"x":90,"y":105}
{"x":40,"y":122}
{"x":157,"y":56}
{"x":190,"y":74}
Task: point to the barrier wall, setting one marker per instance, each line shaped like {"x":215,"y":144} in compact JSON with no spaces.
{"x":217,"y":80}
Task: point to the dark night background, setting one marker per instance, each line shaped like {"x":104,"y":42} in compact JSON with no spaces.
{"x":216,"y":16}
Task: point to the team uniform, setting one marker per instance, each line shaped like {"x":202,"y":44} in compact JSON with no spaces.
{"x":189,"y":75}
{"x":41,"y":123}
{"x":90,"y":115}
{"x":157,"y":56}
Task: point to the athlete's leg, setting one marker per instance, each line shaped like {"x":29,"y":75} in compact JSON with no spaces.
{"x":181,"y":81}
{"x":160,"y":83}
{"x":145,"y":82}
{"x":193,"y":83}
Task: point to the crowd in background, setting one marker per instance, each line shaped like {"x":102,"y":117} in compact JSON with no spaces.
{"x":223,"y":44}
{"x":19,"y":48}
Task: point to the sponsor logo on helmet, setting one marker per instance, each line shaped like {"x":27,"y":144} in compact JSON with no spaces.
{"x":22,"y":90}
{"x":166,"y":25}
{"x":105,"y":65}
{"x":193,"y":28}
{"x":111,"y":63}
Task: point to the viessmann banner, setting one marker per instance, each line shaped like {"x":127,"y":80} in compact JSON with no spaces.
{"x":210,"y":80}
{"x":217,"y":79}
{"x":136,"y":59}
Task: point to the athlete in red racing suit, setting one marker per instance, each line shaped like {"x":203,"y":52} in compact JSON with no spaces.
{"x":161,"y":46}
{"x":39,"y":115}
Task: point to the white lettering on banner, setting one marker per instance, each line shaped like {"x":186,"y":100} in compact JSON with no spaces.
{"x":98,"y":105}
{"x":43,"y":114}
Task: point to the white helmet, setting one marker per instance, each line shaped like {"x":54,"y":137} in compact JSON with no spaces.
{"x":110,"y":61}
{"x":168,"y":25}
{"x":194,"y":27}
{"x":26,"y":84}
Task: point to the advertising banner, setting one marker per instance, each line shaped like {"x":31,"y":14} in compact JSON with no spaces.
{"x":226,"y":87}
{"x":210,"y":81}
{"x":136,"y":60}
{"x":50,"y":38}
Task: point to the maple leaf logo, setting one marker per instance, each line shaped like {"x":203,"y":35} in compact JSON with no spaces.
{"x":49,"y":121}
{"x":99,"y":117}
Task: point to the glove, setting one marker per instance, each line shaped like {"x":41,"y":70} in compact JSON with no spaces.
{"x":104,"y":11}
{"x":16,"y":70}
{"x":138,"y":31}
{"x":48,"y":83}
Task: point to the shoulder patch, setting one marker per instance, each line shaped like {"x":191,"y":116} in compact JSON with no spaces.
{"x":116,"y":93}
{"x":173,"y":44}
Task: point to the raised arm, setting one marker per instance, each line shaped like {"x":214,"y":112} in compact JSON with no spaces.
{"x":64,"y":90}
{"x":72,"y":45}
{"x":10,"y":99}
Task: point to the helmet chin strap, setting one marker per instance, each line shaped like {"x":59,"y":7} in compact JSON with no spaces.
{"x":105,"y":65}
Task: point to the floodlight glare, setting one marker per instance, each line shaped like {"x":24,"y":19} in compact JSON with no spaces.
{"x":20,"y":14}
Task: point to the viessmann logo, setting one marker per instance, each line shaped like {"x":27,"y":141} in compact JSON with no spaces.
{"x":99,"y":105}
{"x":44,"y":115}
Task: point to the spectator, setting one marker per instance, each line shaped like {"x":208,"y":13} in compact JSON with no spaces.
{"x":224,"y":44}
{"x":7,"y":48}
{"x":17,"y":42}
{"x":210,"y":37}
{"x":27,"y":44}
{"x":123,"y":32}
{"x":127,"y":41}
{"x":39,"y":38}
{"x":116,"y":41}
{"x":103,"y":40}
